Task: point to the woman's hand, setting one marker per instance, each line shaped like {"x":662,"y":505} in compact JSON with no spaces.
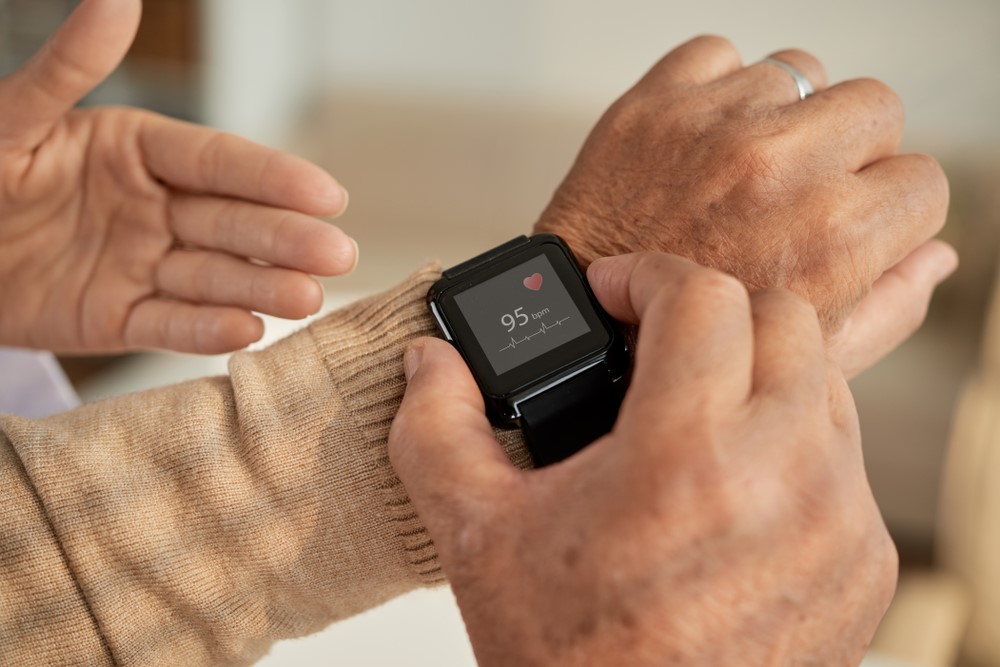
{"x":121,"y":229}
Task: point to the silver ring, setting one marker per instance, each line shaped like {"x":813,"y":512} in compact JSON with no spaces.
{"x":801,"y":80}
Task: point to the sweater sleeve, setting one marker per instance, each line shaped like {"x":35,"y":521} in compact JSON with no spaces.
{"x":200,"y":523}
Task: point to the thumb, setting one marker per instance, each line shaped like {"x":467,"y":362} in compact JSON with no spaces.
{"x":441,"y":444}
{"x":894,"y":309}
{"x":83,"y":53}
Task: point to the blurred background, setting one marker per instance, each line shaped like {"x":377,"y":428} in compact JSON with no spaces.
{"x":452,"y":122}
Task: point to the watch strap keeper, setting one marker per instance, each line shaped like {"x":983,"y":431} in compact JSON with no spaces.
{"x":562,"y":420}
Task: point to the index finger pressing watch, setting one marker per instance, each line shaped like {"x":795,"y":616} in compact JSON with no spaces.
{"x":546,"y":356}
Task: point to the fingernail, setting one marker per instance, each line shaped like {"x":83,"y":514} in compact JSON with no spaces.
{"x":322,"y":296}
{"x":411,"y":361}
{"x":347,"y":202}
{"x":357,"y":258}
{"x":599,"y":268}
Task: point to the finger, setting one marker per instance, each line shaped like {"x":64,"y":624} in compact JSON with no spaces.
{"x":895,"y":308}
{"x":280,"y":237}
{"x":218,"y":279}
{"x":85,"y":50}
{"x":767,"y":84}
{"x":699,"y":61}
{"x":789,"y":351}
{"x":860,"y":121}
{"x":695,"y":336}
{"x":910,"y":193}
{"x":198,"y":159}
{"x":184,"y":327}
{"x":627,"y":285}
{"x":441,"y":444}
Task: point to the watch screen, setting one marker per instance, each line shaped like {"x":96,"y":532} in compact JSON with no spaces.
{"x":521,"y":314}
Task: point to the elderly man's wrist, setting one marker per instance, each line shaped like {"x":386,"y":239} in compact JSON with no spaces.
{"x":588,"y":238}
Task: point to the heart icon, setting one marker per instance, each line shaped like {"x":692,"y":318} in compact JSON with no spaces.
{"x":534,"y":283}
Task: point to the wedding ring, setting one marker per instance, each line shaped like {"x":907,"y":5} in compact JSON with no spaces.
{"x":801,"y":80}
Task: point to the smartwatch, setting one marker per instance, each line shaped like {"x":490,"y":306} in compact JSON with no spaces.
{"x":546,"y":356}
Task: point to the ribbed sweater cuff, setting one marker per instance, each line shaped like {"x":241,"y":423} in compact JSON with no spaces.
{"x":199,"y":523}
{"x":362,"y":347}
{"x":366,"y":342}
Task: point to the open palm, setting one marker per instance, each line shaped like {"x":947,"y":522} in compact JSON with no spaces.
{"x":121,"y":229}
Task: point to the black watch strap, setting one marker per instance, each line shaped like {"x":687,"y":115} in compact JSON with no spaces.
{"x":564,"y":419}
{"x":561,"y":421}
{"x":486,"y":257}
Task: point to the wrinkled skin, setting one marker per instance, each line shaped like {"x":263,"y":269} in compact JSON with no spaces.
{"x":121,"y":229}
{"x":723,"y":164}
{"x":726,"y":520}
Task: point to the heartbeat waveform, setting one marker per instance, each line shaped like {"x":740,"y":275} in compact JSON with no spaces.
{"x":544,"y":329}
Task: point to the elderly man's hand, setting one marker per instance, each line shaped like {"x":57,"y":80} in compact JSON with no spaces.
{"x":121,"y":229}
{"x":726,"y":520}
{"x":725,"y":165}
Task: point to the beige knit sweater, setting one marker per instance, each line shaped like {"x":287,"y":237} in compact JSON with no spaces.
{"x":198,"y":524}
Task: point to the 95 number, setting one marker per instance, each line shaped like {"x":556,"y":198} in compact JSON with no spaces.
{"x":515,"y":320}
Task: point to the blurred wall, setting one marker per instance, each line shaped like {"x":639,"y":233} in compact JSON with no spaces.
{"x":940,"y":56}
{"x":260,"y":63}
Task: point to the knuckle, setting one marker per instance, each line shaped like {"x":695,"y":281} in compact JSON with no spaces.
{"x":924,"y":191}
{"x":933,"y":177}
{"x":799,"y":310}
{"x":627,"y":115}
{"x":880,"y":93}
{"x":888,"y":574}
{"x":885,"y":550}
{"x":799,"y":55}
{"x":880,"y":561}
{"x":711,"y":42}
{"x":791,"y":304}
{"x":710,"y":286}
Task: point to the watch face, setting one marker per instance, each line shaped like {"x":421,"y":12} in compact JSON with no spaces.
{"x":521,"y":314}
{"x":523,"y":318}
